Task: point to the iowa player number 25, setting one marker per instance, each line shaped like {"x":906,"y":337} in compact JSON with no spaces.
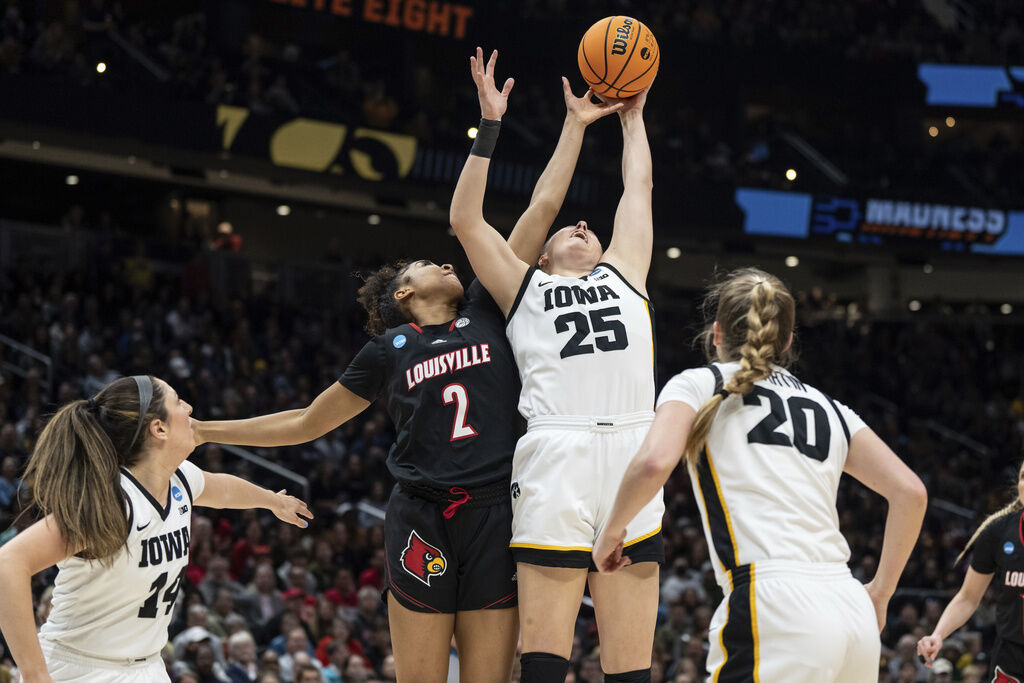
{"x":609,"y":333}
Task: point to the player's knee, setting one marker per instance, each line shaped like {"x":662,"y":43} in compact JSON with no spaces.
{"x":543,"y":667}
{"x":638,"y":676}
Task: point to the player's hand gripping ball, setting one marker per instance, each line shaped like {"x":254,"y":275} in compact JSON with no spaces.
{"x":618,"y":57}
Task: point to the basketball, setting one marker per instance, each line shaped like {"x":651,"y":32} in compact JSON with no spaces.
{"x":618,"y":57}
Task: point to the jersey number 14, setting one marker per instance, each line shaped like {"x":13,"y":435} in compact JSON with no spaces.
{"x":151,"y":607}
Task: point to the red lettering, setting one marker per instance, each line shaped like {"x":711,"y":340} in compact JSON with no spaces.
{"x":341,"y":7}
{"x":462,"y":15}
{"x":413,"y":16}
{"x":438,"y":18}
{"x":372,"y":10}
{"x":475,"y":350}
{"x":392,"y":18}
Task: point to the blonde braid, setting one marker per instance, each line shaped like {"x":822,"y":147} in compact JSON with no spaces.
{"x":761,"y":348}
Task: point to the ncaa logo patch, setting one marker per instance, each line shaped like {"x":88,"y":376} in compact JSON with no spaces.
{"x":422,"y":560}
{"x":1008,"y":548}
{"x":175,"y":493}
{"x":399,"y":341}
{"x":461,"y":322}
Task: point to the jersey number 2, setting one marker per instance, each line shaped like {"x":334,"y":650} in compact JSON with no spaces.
{"x":456,"y":393}
{"x":811,"y":431}
{"x":149,"y":608}
{"x":598,"y":322}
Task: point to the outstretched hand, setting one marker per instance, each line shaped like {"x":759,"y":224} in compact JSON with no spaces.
{"x":607,"y":552}
{"x":292,"y":510}
{"x":492,"y":101}
{"x":585,"y":109}
{"x":634,"y":103}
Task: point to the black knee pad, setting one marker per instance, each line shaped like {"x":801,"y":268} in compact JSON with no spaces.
{"x":638,"y":676}
{"x":544,"y":667}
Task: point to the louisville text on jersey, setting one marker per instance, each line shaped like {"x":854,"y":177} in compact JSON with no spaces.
{"x":447,"y":363}
{"x":165,"y":547}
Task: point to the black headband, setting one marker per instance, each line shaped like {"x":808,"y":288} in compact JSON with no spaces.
{"x":145,"y":385}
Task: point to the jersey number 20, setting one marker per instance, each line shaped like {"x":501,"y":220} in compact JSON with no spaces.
{"x":598,"y":322}
{"x":811,"y":431}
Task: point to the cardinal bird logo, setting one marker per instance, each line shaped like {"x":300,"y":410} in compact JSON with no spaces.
{"x":1003,"y":677}
{"x":422,"y":560}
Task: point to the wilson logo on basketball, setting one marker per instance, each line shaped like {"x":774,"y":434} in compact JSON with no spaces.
{"x":622,"y":37}
{"x":422,"y":560}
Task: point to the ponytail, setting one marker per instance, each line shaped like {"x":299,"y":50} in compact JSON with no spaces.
{"x":377,"y":297}
{"x":756,"y":314}
{"x":1014,"y":506}
{"x":74,"y":471}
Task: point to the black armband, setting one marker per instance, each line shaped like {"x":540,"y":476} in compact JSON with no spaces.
{"x":486,"y":138}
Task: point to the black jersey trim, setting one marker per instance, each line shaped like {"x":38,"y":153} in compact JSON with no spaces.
{"x":131,"y":511}
{"x":184,"y":482}
{"x":519,"y":296}
{"x":718,"y":376}
{"x":842,"y":420}
{"x":719,"y":523}
{"x":738,"y":637}
{"x":624,"y":280}
{"x":162,"y":511}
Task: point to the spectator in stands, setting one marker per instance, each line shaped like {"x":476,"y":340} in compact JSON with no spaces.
{"x":242,"y":666}
{"x":217,"y":577}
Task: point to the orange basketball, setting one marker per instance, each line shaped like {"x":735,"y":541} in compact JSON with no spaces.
{"x":618,"y":56}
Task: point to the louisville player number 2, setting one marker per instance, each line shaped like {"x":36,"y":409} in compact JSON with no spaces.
{"x":456,"y":393}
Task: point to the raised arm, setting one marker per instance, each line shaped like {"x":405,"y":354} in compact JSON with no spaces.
{"x":873,"y":464}
{"x":331,"y":408}
{"x":226,"y":491}
{"x":527,"y":238}
{"x":647,"y":473}
{"x":633,"y":233}
{"x":38,"y":547}
{"x":499,"y":269}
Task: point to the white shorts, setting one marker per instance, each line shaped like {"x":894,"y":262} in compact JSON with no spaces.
{"x":66,"y":665}
{"x":797,"y":622}
{"x":565,"y":476}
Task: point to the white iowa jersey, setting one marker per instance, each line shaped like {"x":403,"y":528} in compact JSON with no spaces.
{"x":584,"y":345}
{"x":767,"y":481}
{"x":124,"y":610}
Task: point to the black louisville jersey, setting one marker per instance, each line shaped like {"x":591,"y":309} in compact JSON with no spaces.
{"x":999,"y":550}
{"x":451,"y":391}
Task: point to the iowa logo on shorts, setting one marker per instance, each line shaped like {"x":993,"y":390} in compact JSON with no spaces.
{"x":422,"y":560}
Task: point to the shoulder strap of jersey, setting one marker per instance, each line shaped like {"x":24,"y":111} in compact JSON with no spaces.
{"x":519,"y":295}
{"x":718,"y":376}
{"x":184,"y":482}
{"x":842,"y":420}
{"x":626,"y":282}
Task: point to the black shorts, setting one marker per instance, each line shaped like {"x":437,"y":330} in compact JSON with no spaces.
{"x":450,"y":565}
{"x":651,"y":549}
{"x":1007,"y":662}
